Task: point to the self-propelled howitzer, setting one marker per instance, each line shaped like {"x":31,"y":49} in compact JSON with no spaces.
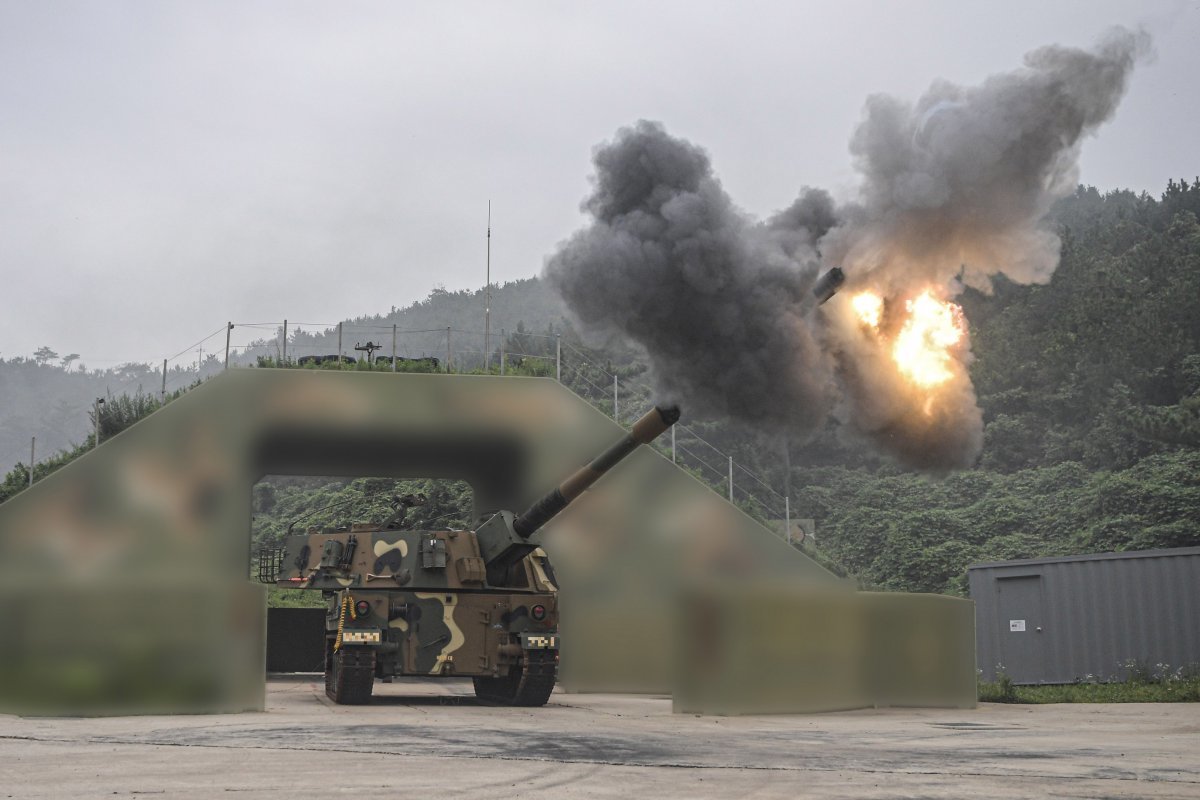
{"x":480,"y":604}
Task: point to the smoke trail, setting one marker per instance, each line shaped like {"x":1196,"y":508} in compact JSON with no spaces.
{"x":954,"y":190}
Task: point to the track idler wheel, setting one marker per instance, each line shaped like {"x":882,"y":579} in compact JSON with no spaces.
{"x":349,"y":674}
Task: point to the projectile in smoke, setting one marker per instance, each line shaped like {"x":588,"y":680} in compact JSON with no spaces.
{"x":954,"y":190}
{"x":828,"y":284}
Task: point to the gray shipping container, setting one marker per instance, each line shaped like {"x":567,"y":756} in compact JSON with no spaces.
{"x":1056,"y":620}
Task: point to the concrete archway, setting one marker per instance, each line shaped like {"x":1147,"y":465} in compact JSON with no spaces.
{"x":127,"y":569}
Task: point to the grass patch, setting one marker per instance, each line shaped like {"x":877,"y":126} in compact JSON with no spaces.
{"x":1178,"y":687}
{"x":278,"y":597}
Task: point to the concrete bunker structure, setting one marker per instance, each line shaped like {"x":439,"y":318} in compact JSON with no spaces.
{"x":126,"y":572}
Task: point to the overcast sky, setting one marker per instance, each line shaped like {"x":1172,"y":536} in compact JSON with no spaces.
{"x":165,"y":167}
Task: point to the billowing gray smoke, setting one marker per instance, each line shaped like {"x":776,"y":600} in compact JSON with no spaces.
{"x":961,"y":180}
{"x":717,"y":301}
{"x":954,"y":187}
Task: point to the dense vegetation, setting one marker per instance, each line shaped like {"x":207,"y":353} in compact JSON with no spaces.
{"x":1089,"y":384}
{"x":1145,"y":684}
{"x":1090,"y":388}
{"x":115,"y":415}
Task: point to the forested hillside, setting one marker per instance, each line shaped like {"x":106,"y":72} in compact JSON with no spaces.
{"x":1090,"y":388}
{"x":1089,"y":384}
{"x":50,"y":395}
{"x":528,"y":303}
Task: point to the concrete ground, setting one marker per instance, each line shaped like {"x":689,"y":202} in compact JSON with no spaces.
{"x":430,"y":738}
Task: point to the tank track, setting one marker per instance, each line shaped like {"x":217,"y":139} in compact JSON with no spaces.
{"x":349,"y":674}
{"x":529,"y":686}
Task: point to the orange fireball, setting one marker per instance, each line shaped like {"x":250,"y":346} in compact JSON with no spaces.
{"x":921,"y":347}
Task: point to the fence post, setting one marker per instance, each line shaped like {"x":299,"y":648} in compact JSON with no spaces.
{"x":96,"y":407}
{"x":558,"y":357}
{"x":787,"y":518}
{"x":339,"y":345}
{"x":448,"y":352}
{"x":616,"y":408}
{"x":731,"y":479}
{"x":503,"y":339}
{"x":228,"y":331}
{"x":32,"y":445}
{"x":285,"y":341}
{"x":393,"y":348}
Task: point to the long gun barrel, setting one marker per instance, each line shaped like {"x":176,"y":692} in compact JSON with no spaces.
{"x":652,"y":425}
{"x":504,"y":538}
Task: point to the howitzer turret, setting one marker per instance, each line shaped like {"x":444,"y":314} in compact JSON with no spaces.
{"x":477,"y":603}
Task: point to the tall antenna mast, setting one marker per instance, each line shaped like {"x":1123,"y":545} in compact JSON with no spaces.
{"x":487,"y":303}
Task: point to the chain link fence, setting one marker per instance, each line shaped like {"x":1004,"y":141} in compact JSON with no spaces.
{"x":614,"y":390}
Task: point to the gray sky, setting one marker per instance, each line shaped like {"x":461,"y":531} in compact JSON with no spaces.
{"x":165,"y":167}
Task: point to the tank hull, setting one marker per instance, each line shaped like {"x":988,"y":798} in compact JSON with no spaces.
{"x":507,"y":642}
{"x":418,"y":603}
{"x":443,"y":634}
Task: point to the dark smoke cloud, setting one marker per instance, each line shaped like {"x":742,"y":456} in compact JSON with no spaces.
{"x":716,"y":300}
{"x":955,"y":188}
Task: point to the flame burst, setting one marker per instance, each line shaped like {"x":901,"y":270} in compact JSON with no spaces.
{"x":869,"y":308}
{"x":921,"y":348}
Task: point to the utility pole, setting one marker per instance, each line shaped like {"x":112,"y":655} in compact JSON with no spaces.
{"x":32,"y":446}
{"x":96,"y":415}
{"x":393,"y":348}
{"x":558,"y":357}
{"x":447,"y":348}
{"x":339,"y":345}
{"x":787,"y":486}
{"x":616,"y":408}
{"x":787,"y":518}
{"x":285,"y":341}
{"x":672,"y":444}
{"x":228,"y":331}
{"x":731,"y":479}
{"x":487,"y":303}
{"x":162,"y":395}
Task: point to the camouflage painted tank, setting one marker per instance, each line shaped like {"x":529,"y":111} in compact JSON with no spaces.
{"x":480,"y":604}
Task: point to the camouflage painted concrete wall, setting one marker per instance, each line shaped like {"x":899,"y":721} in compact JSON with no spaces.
{"x":770,"y":646}
{"x":125,"y":571}
{"x":97,"y":559}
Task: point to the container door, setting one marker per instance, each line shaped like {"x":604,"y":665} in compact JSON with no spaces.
{"x":1022,"y":643}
